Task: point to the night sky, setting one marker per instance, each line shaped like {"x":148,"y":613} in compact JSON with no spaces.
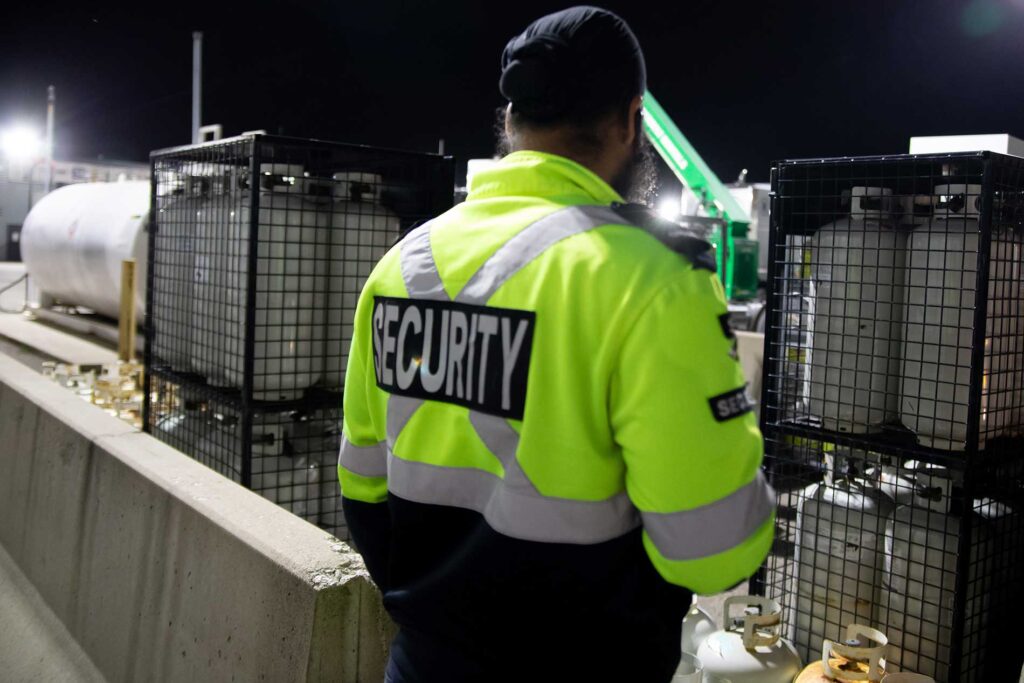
{"x":746,"y":82}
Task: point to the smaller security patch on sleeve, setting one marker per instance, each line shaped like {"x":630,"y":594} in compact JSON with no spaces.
{"x":731,"y":404}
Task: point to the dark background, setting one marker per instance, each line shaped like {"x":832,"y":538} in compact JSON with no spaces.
{"x":746,"y":82}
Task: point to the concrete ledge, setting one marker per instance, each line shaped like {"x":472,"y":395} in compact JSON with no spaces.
{"x":163,"y":570}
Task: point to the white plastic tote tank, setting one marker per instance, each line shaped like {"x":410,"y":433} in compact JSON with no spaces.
{"x":857,"y":268}
{"x":840,"y":532}
{"x":941,"y":279}
{"x":75,"y":238}
{"x":361,"y":232}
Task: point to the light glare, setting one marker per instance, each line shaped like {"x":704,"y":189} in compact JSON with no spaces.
{"x":21,"y":144}
{"x":669,"y":209}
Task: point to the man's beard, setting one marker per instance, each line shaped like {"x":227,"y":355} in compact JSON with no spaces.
{"x":503,"y":145}
{"x":637,"y":182}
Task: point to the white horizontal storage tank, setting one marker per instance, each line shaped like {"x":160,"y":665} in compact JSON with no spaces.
{"x":75,"y":238}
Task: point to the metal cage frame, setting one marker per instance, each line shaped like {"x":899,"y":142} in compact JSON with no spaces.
{"x":984,"y":466}
{"x":411,"y":186}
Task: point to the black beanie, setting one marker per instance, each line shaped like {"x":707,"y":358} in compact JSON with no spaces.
{"x":577,"y":60}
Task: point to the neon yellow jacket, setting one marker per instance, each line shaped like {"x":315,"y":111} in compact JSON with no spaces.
{"x":612,"y":399}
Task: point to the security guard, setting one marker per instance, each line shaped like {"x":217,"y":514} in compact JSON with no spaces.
{"x":547,"y":441}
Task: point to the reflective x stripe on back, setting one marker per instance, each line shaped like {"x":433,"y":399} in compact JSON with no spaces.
{"x":512,"y":505}
{"x":527,"y":245}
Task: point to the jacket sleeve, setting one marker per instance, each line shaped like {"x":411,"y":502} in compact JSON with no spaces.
{"x":684,"y":422}
{"x":362,"y":461}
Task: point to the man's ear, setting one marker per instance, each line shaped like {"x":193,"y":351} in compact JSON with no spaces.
{"x":508,"y":117}
{"x":633,"y":123}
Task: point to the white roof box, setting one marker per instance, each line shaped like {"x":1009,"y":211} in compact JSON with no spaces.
{"x":942,"y":144}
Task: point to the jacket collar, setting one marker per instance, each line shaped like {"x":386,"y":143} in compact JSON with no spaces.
{"x":539,"y":174}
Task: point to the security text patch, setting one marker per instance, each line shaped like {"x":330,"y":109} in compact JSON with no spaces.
{"x":731,"y":404}
{"x":473,"y":356}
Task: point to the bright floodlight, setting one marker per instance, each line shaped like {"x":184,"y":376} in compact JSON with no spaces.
{"x":20,"y":143}
{"x":669,"y":208}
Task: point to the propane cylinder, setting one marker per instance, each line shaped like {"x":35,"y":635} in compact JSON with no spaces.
{"x":690,"y":670}
{"x":74,"y":239}
{"x":313,"y":459}
{"x":271,"y":470}
{"x":288,"y":343}
{"x":292,"y":483}
{"x":917,"y":591}
{"x":860,"y":657}
{"x":896,"y":482}
{"x":915,"y":209}
{"x":219,"y":447}
{"x":857,"y":268}
{"x":214,"y":210}
{"x":937,"y":347}
{"x":840,"y":535}
{"x":331,"y":515}
{"x":361,"y":232}
{"x":815,"y":673}
{"x":749,"y":649}
{"x":697,"y":626}
{"x":289,"y":475}
{"x":183,"y":425}
{"x":174,"y":272}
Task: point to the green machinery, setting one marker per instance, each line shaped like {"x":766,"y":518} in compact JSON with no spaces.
{"x":735,"y":253}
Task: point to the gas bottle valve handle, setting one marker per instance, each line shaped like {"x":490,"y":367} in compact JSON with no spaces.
{"x":854,"y":649}
{"x":754,"y":625}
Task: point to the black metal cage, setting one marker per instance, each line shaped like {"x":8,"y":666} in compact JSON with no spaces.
{"x":259,"y":247}
{"x":893,"y":406}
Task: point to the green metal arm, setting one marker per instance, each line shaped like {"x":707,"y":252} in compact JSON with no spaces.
{"x":690,"y":168}
{"x":735,"y":254}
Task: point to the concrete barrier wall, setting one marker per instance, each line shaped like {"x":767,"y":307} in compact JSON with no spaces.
{"x":163,"y":570}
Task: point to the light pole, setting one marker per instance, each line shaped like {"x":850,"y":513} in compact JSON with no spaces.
{"x":197,"y":84}
{"x":51,"y":101}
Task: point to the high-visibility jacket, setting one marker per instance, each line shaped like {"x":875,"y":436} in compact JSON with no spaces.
{"x":543,"y":403}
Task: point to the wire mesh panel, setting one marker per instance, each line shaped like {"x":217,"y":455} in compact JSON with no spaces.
{"x":893,"y":405}
{"x":292,"y":451}
{"x":259,"y":248}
